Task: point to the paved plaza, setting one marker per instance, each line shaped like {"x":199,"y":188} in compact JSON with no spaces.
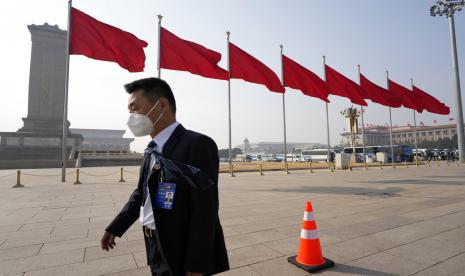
{"x":402,"y":221}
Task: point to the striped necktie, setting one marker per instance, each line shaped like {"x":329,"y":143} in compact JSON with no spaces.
{"x":146,"y":172}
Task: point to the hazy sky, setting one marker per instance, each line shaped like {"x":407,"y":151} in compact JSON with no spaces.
{"x":396,"y":35}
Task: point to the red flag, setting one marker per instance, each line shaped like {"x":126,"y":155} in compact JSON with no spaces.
{"x":183,"y":55}
{"x":244,"y":66}
{"x":97,"y":40}
{"x":378,"y":94}
{"x":431,"y":103}
{"x":344,"y":87}
{"x":298,"y":77}
{"x":406,"y":96}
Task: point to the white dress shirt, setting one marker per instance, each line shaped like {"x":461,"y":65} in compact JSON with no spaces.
{"x":146,"y":212}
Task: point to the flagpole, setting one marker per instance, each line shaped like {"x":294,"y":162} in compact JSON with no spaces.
{"x":363,"y":126}
{"x":160,"y":17}
{"x":390,"y":123}
{"x":327,"y":119}
{"x":231,"y":173}
{"x":284,"y":114}
{"x":415,"y":130}
{"x":65,"y":100}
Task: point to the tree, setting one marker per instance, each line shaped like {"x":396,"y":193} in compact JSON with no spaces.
{"x":224,"y":153}
{"x":445,"y":143}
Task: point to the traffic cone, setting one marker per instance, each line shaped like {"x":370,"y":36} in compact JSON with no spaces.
{"x":310,"y":257}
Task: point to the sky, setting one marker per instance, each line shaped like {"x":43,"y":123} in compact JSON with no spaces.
{"x":396,"y":35}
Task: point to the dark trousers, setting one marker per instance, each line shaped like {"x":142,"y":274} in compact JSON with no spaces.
{"x":158,"y":265}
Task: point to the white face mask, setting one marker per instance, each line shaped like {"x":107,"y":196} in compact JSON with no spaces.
{"x":140,"y":124}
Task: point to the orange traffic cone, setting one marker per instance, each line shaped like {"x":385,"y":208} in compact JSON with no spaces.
{"x":310,"y":257}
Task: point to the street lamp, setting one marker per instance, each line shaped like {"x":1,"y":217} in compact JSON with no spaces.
{"x":448,"y":8}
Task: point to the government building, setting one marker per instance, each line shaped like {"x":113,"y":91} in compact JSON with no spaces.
{"x":276,"y":147}
{"x":106,"y":141}
{"x":379,"y":135}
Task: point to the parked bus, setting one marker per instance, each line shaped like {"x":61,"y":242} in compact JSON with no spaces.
{"x":370,"y":152}
{"x":401,"y":152}
{"x":316,"y":155}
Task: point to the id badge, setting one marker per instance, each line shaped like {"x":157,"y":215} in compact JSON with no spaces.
{"x":165,"y":195}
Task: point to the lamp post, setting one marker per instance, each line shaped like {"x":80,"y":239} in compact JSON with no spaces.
{"x":448,"y":8}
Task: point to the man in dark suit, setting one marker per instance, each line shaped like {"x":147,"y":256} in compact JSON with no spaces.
{"x":183,"y":235}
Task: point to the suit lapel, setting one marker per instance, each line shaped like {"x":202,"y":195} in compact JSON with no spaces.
{"x":174,"y":138}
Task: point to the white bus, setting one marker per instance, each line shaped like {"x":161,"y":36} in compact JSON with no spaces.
{"x":315,"y":155}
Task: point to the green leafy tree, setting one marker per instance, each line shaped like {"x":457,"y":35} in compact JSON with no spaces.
{"x":445,"y":143}
{"x":224,"y":153}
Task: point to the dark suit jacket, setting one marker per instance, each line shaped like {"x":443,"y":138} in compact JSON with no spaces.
{"x":190,"y":234}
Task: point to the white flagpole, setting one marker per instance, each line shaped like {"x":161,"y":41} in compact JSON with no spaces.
{"x":284,"y":114}
{"x":363,"y":126}
{"x":65,"y":100}
{"x":327,"y":119}
{"x":160,"y":17}
{"x":228,"y":33}
{"x":390,"y":124}
{"x":415,"y":130}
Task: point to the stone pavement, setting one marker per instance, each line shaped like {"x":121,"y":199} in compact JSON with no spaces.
{"x":403,"y":221}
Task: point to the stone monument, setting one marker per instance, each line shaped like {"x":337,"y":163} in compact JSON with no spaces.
{"x":46,"y":80}
{"x":38,"y":143}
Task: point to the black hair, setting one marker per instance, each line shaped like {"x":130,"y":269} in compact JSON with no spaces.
{"x":153,"y":89}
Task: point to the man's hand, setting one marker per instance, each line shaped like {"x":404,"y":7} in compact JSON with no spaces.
{"x":108,"y":241}
{"x":188,"y":273}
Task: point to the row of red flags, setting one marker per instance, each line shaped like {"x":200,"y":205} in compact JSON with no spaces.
{"x":97,"y":40}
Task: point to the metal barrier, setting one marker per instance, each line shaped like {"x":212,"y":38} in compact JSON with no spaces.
{"x":78,"y":173}
{"x":121,"y":179}
{"x":77,"y":177}
{"x":18,"y":180}
{"x":286,"y":168}
{"x":231,"y":170}
{"x":121,"y":171}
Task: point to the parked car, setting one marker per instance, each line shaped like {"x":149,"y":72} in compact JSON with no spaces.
{"x":269,"y":158}
{"x":243,"y":158}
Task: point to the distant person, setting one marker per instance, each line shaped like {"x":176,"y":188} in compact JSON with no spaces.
{"x":429,"y":155}
{"x":179,"y":239}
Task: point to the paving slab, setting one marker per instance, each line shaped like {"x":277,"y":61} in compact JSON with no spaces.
{"x":403,"y":221}
{"x":90,"y":268}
